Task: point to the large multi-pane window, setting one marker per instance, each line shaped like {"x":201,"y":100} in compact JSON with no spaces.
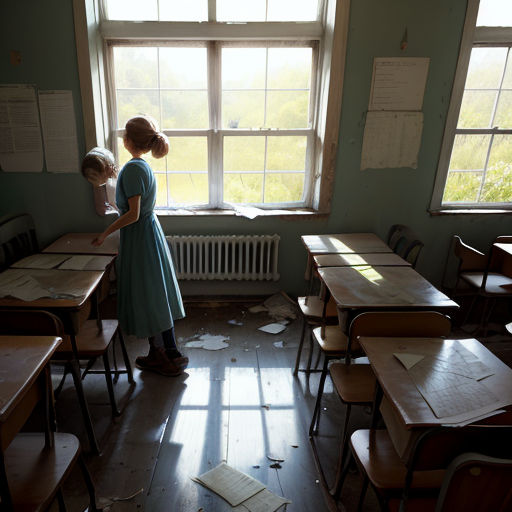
{"x":476,"y":160}
{"x":239,"y":113}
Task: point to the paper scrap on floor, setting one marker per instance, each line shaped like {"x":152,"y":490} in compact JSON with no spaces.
{"x":86,"y":262}
{"x":257,"y":309}
{"x":209,"y":342}
{"x":241,"y":491}
{"x":232,"y":485}
{"x":41,"y":261}
{"x":272,"y":328}
{"x":280,"y":307}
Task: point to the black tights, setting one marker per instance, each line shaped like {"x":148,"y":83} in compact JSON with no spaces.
{"x":169,"y":341}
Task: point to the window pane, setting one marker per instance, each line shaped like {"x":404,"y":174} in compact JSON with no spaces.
{"x":476,"y":109}
{"x":236,"y":10}
{"x":486,"y":68}
{"x":183,"y":68}
{"x":503,"y":118}
{"x":286,"y":154}
{"x":289,"y":68}
{"x":184,"y":109}
{"x":134,"y":10}
{"x":494,"y":13}
{"x":243,"y":188}
{"x":287,"y":109}
{"x":135,"y":68}
{"x":133,"y":103}
{"x":462,"y":186}
{"x":244,"y":153}
{"x":188,"y":188}
{"x":469,"y":152}
{"x":284,"y":187}
{"x":292,"y":10}
{"x":176,"y":10}
{"x":188,"y":154}
{"x":243,"y":68}
{"x":507,"y":80}
{"x":498,"y":180}
{"x":243,"y":109}
{"x":161,"y":190}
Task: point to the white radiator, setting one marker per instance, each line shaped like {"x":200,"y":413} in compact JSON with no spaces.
{"x":242,"y":257}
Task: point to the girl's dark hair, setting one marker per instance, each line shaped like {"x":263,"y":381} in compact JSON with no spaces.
{"x":142,"y":131}
{"x":101,"y":160}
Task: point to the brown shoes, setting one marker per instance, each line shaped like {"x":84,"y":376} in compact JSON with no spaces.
{"x":158,"y":362}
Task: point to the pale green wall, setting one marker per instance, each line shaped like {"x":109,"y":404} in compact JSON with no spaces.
{"x":363,"y":201}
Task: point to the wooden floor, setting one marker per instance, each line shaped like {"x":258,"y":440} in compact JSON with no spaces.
{"x":238,"y":405}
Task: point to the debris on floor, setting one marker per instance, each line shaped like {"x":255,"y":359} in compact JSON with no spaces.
{"x":279,"y":344}
{"x":235,"y":322}
{"x":274,"y":458}
{"x":272,"y":328}
{"x":209,"y":342}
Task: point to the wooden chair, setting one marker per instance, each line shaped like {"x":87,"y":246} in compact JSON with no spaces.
{"x":355,"y":383}
{"x":482,"y":278}
{"x":17,"y":239}
{"x":404,"y":242}
{"x":422,"y":474}
{"x":472,"y":483}
{"x":92,"y":343}
{"x":312,"y":308}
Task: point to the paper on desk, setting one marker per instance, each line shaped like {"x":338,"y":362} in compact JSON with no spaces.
{"x":86,"y":262}
{"x":408,"y":360}
{"x":232,"y":485}
{"x":264,"y":501}
{"x":42,"y":261}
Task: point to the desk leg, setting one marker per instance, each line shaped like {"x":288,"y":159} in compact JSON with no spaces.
{"x":75,"y":372}
{"x":376,"y":405}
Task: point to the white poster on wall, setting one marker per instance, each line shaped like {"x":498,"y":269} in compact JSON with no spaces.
{"x":59,"y":131}
{"x":21,"y":148}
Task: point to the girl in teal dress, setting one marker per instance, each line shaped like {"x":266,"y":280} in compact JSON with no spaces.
{"x":148,"y":296}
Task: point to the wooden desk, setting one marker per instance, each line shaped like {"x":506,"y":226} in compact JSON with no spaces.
{"x":80,"y":243}
{"x":25,"y":382}
{"x":386,"y":259}
{"x":405,"y":411}
{"x":358,"y":289}
{"x":73,"y":311}
{"x":345,"y":243}
{"x":503,"y":256}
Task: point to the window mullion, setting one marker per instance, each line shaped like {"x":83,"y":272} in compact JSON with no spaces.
{"x":215,"y":183}
{"x":212,"y":10}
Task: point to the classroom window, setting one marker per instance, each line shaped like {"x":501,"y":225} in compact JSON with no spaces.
{"x":475,"y":169}
{"x":249,"y":94}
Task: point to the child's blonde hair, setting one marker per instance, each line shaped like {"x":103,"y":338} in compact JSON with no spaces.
{"x":100,"y":160}
{"x":143,"y":133}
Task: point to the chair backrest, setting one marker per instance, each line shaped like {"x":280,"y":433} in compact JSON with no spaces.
{"x":30,"y":322}
{"x":470,"y":259}
{"x":404,"y":242}
{"x":424,"y":324}
{"x":474,"y":482}
{"x":17,"y":239}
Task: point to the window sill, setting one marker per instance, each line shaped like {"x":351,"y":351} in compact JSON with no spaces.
{"x":469,"y":211}
{"x":252,"y":214}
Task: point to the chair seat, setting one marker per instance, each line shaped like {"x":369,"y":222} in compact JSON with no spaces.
{"x":426,"y":504}
{"x":312,"y":307}
{"x":497,"y":284}
{"x":35,"y":473}
{"x":90,"y":342}
{"x":374,"y":451}
{"x":355,"y":383}
{"x":334,"y":341}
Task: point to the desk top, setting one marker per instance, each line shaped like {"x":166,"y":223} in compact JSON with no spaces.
{"x":504,"y":247}
{"x":382,"y":287}
{"x":345,"y":243}
{"x":80,"y":243}
{"x":407,"y":400}
{"x":389,"y":259}
{"x":22,"y":359}
{"x":59,"y":288}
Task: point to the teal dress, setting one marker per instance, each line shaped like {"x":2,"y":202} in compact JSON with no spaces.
{"x":148,"y":295}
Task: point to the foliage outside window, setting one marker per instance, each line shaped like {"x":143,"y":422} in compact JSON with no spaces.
{"x":479,"y":173}
{"x":239,"y":114}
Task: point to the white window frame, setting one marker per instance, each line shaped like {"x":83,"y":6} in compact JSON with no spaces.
{"x":472,"y":37}
{"x":215,"y":133}
{"x":331,"y":33}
